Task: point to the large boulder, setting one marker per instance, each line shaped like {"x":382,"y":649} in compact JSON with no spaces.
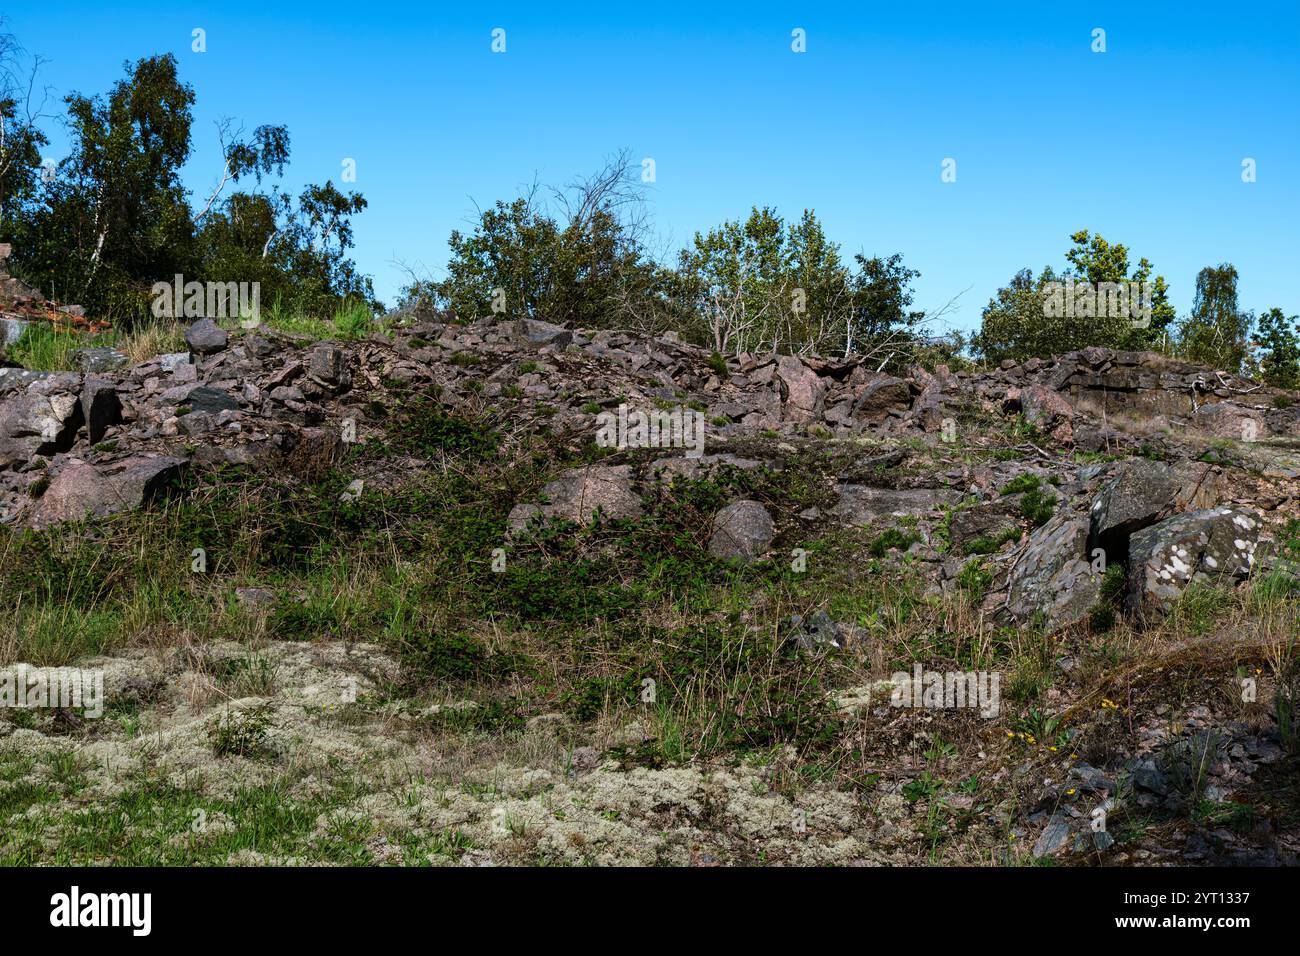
{"x":742,"y":530}
{"x":81,"y":489}
{"x":581,"y":495}
{"x":801,"y":389}
{"x":11,"y":329}
{"x":1141,"y":493}
{"x":1052,"y":577}
{"x":1212,"y":546}
{"x":881,"y":396}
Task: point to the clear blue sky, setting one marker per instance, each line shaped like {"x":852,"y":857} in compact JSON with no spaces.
{"x":1142,"y":143}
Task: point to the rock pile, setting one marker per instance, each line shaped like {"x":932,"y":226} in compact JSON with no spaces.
{"x":117,"y":435}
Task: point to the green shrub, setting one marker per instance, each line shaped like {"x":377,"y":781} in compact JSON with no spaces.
{"x":427,"y":429}
{"x":974,"y":579}
{"x":1021,"y":483}
{"x":454,"y":657}
{"x":890,"y":539}
{"x":1037,"y":507}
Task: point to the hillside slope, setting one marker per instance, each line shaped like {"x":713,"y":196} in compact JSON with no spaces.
{"x":432,"y":596}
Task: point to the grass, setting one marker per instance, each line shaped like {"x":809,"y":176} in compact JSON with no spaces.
{"x":43,"y":348}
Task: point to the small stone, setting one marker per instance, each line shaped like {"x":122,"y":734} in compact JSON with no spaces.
{"x":742,"y":530}
{"x":205,"y":337}
{"x":254,"y":597}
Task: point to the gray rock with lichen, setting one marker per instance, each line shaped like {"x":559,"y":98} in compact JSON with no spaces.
{"x":1211,"y":546}
{"x":1053,"y":577}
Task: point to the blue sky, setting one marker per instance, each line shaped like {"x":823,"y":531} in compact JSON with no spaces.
{"x":1142,"y":143}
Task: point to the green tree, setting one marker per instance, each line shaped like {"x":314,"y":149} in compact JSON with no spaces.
{"x":1279,"y":339}
{"x":760,"y":285}
{"x":1032,"y":317}
{"x":1096,"y":261}
{"x":298,"y":252}
{"x":1014,"y":324}
{"x":577,"y":259}
{"x":115,"y":218}
{"x":20,"y":139}
{"x":880,"y":315}
{"x":1215,"y":332}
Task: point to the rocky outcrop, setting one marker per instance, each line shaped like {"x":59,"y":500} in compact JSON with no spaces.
{"x":77,"y":443}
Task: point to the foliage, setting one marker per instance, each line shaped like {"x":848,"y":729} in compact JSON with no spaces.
{"x":1215,"y":332}
{"x":577,"y":260}
{"x":115,"y":217}
{"x":765,"y":285}
{"x":1278,"y":338}
{"x":1024,"y":320}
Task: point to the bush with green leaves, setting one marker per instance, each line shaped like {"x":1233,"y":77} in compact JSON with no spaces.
{"x":1021,"y":321}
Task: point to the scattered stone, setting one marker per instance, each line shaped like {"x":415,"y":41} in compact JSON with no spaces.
{"x":171,"y":361}
{"x":1054,"y":836}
